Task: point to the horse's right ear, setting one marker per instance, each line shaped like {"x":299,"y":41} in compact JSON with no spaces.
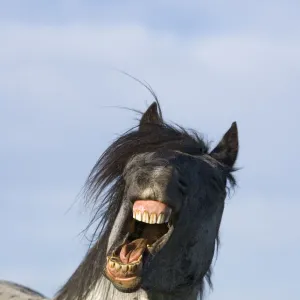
{"x":151,"y":116}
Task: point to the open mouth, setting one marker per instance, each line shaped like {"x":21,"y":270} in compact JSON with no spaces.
{"x":149,"y":229}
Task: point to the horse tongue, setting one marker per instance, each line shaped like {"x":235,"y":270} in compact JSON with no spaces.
{"x":132,"y":251}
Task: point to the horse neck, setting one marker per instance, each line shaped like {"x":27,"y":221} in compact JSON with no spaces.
{"x":105,"y":290}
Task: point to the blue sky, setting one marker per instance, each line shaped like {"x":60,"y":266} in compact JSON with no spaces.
{"x":210,"y":63}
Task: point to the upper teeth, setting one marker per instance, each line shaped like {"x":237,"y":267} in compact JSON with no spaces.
{"x":152,"y":218}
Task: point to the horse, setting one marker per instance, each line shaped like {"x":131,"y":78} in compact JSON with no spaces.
{"x":158,"y":194}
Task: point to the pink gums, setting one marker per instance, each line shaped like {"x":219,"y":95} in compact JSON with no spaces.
{"x":151,"y":207}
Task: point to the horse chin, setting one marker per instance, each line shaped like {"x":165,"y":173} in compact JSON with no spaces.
{"x":142,"y":241}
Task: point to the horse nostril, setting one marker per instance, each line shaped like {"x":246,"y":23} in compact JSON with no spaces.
{"x":182,"y":185}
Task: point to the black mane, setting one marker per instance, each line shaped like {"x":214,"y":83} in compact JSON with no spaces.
{"x":104,"y":190}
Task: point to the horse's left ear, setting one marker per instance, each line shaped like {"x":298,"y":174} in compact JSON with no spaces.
{"x":227,"y":150}
{"x":151,"y":116}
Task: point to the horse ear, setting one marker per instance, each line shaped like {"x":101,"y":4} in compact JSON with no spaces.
{"x":227,"y":150}
{"x":151,"y":116}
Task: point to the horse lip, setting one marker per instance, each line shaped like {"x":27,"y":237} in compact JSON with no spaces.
{"x":125,"y":285}
{"x":151,"y":211}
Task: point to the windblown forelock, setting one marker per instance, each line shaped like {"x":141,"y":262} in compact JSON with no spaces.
{"x":135,"y":141}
